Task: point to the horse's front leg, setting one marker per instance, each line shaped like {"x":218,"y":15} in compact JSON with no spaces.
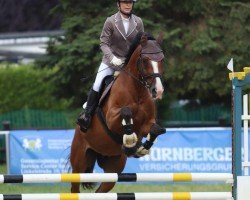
{"x":155,"y":131}
{"x":129,"y":138}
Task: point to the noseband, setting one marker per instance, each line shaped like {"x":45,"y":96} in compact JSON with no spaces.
{"x":142,"y":76}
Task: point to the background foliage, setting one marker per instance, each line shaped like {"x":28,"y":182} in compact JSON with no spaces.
{"x":200,"y":38}
{"x":27,"y":87}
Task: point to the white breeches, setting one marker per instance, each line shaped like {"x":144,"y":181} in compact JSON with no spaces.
{"x":103,"y":71}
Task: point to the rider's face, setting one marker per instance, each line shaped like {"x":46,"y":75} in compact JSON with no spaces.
{"x":126,"y":6}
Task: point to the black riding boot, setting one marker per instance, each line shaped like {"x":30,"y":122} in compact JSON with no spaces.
{"x":84,"y":119}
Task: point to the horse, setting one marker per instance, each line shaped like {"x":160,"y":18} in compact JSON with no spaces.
{"x":128,"y":115}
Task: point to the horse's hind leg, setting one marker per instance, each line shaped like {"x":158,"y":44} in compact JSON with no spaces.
{"x":81,"y":159}
{"x":113,"y":164}
{"x":84,"y":165}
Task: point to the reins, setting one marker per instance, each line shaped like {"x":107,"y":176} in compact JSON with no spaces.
{"x":143,"y":78}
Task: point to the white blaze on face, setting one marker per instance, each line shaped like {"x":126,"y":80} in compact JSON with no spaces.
{"x":158,"y":84}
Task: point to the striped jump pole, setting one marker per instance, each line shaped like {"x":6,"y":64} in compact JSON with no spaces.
{"x":114,"y":177}
{"x":123,"y":196}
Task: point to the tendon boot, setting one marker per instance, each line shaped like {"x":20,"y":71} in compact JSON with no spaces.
{"x":84,"y":119}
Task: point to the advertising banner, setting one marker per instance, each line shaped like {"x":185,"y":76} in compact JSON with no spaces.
{"x":179,"y":150}
{"x":39,"y":152}
{"x":188,"y":150}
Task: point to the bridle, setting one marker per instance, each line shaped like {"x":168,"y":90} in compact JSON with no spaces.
{"x":142,"y":76}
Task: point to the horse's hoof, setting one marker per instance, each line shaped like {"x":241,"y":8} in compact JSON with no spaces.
{"x":141,"y":151}
{"x":129,"y":151}
{"x":156,"y":130}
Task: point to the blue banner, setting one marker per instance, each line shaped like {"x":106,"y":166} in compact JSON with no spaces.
{"x":38,"y":152}
{"x":188,"y":150}
{"x":179,"y":150}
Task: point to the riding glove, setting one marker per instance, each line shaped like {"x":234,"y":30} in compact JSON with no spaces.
{"x":116,"y":61}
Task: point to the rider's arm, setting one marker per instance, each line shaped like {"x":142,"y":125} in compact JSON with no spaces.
{"x":105,"y":38}
{"x":140,"y":25}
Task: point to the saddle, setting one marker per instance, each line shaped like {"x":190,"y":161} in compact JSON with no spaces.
{"x":105,"y":88}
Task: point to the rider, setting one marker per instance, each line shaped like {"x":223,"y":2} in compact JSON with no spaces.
{"x":117,"y":34}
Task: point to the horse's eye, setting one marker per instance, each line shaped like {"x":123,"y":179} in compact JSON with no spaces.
{"x":145,"y":61}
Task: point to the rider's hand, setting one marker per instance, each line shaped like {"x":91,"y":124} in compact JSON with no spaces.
{"x":116,"y":61}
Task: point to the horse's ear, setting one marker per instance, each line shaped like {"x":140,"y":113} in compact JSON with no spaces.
{"x":144,"y":40}
{"x":160,"y":38}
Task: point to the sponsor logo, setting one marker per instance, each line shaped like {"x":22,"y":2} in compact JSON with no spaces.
{"x":32,"y":144}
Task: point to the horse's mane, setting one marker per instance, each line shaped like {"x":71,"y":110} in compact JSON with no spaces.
{"x":135,"y":43}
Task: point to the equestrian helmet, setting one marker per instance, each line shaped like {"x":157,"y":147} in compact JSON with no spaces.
{"x":125,"y":1}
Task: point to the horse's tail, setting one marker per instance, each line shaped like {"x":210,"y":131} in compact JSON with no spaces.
{"x":91,"y":157}
{"x":85,"y":186}
{"x":88,"y":185}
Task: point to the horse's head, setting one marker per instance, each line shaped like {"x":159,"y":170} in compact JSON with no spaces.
{"x":150,"y":65}
{"x":149,"y":61}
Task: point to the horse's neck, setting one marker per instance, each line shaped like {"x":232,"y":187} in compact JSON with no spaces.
{"x":131,"y":75}
{"x":132,"y":64}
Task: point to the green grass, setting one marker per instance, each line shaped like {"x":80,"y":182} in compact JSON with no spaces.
{"x":120,"y":187}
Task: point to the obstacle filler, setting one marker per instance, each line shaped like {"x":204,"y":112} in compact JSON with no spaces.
{"x":114,"y":177}
{"x":124,"y":196}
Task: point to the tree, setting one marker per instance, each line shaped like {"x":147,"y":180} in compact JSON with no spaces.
{"x":198,"y":62}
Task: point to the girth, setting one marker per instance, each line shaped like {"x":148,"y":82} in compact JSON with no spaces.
{"x":114,"y":136}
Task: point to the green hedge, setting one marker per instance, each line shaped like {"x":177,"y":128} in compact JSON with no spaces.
{"x":28,"y":87}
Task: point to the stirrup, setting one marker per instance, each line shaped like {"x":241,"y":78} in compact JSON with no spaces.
{"x":83,"y":127}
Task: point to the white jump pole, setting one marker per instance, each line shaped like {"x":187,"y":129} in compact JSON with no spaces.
{"x":123,"y":196}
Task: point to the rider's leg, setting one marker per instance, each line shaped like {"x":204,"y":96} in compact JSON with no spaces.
{"x":84,"y":119}
{"x":103,"y":71}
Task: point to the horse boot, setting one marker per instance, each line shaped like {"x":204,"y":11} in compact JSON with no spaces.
{"x":84,"y":119}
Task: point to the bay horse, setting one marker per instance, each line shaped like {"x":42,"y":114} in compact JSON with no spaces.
{"x":128,"y":115}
